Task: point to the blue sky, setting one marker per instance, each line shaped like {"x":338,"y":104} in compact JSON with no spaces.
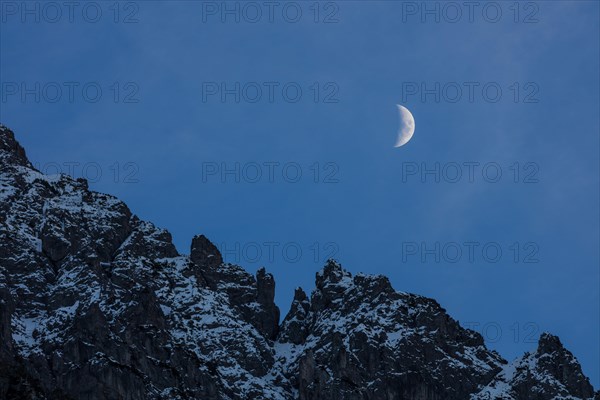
{"x":168,"y":122}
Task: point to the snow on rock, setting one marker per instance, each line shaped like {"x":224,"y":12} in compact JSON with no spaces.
{"x":550,"y":373}
{"x":97,"y":304}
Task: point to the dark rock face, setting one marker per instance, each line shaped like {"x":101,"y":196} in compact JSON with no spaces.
{"x":556,"y":361}
{"x":97,"y":304}
{"x":294,"y":328}
{"x":254,"y":298}
{"x":204,"y":253}
{"x":267,"y":313}
{"x":12,"y":151}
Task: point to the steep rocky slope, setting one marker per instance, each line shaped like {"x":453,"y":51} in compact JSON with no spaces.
{"x":98,"y":304}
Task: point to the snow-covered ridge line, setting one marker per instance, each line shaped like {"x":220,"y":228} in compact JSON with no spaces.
{"x":98,"y":304}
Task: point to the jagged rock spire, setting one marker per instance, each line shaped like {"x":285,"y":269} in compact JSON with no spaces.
{"x":204,"y":253}
{"x":10,"y":149}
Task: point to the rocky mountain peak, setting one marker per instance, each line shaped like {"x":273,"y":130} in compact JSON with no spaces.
{"x":294,"y":327}
{"x":11,"y":151}
{"x":300,"y":295}
{"x":97,"y":304}
{"x":204,"y":253}
{"x":549,"y":373}
{"x":331,"y":274}
{"x":554,"y":360}
{"x":549,"y":343}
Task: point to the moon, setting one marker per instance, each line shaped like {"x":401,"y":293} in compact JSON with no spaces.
{"x":407,"y":126}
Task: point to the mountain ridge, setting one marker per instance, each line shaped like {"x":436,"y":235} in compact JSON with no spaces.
{"x":98,"y":304}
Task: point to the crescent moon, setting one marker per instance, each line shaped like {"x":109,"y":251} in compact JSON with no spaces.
{"x":407,"y":126}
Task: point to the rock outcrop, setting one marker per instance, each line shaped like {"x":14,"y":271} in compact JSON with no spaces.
{"x":551,"y":372}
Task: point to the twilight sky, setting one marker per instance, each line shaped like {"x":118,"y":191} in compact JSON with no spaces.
{"x":270,"y":129}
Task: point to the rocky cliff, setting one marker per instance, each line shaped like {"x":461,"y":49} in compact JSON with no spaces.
{"x":97,"y":304}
